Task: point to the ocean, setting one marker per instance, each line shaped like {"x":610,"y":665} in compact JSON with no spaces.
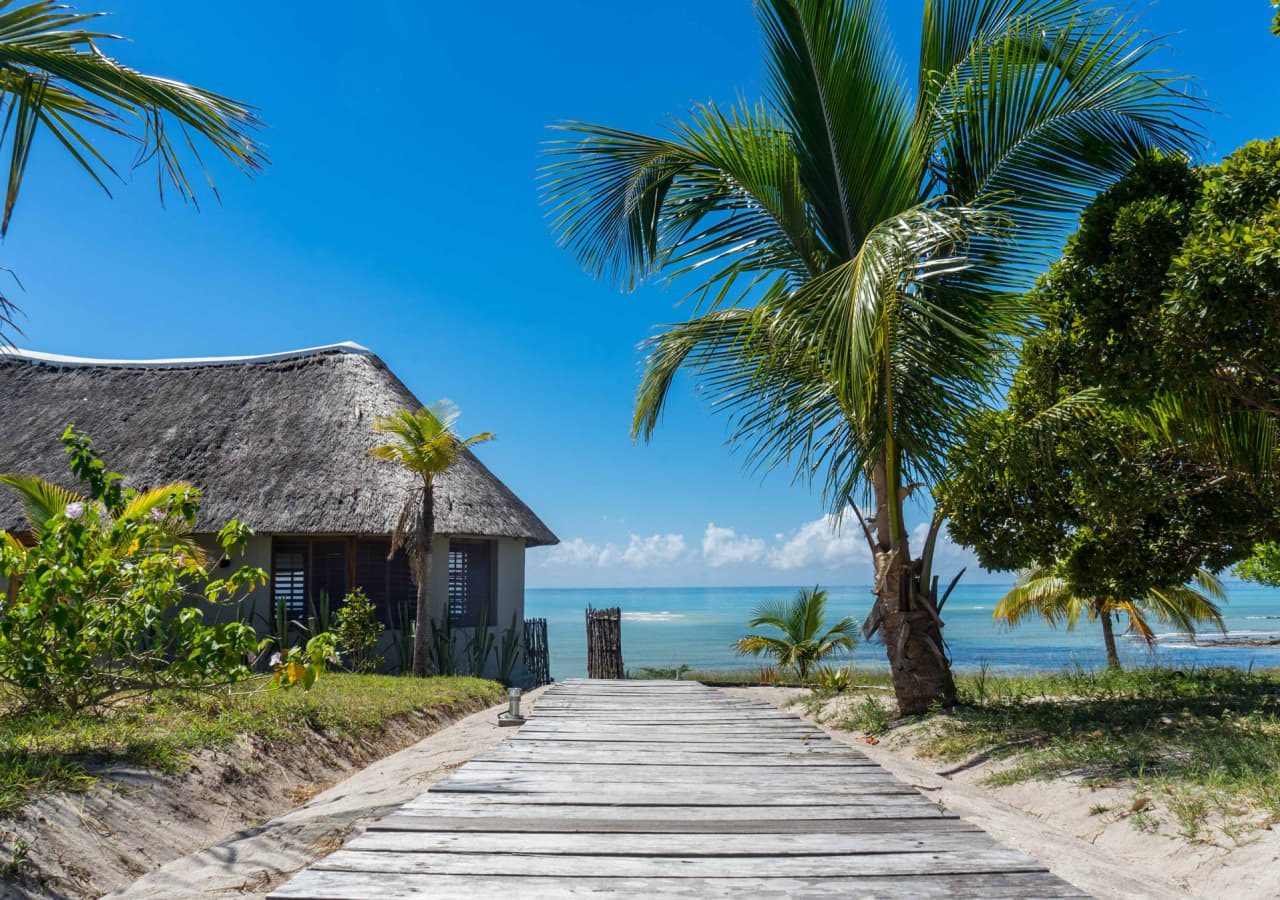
{"x":669,"y":627}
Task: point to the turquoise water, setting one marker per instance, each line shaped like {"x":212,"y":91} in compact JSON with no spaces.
{"x":696,"y":626}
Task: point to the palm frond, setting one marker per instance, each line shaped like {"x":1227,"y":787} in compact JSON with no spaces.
{"x":41,"y":500}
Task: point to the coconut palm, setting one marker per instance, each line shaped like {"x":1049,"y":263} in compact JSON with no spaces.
{"x":802,"y":643}
{"x":55,"y":79}
{"x":1047,"y":594}
{"x":859,"y":245}
{"x":424,"y":443}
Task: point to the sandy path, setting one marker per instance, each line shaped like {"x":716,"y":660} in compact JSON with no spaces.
{"x":250,"y":863}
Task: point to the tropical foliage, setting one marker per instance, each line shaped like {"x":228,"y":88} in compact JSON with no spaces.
{"x":847,"y":241}
{"x":104,"y":580}
{"x":424,"y":443}
{"x":357,"y":631}
{"x":803,"y":640}
{"x":1046,"y":594}
{"x":56,"y":80}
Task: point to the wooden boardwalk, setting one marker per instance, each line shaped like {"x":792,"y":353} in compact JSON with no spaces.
{"x":670,"y":788}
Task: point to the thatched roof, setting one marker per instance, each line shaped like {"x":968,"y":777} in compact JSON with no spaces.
{"x":279,"y":442}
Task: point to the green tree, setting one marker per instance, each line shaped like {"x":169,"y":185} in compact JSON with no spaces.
{"x":424,"y":443}
{"x":803,"y":639}
{"x":847,"y":242}
{"x":1110,"y":509}
{"x":1046,"y":594}
{"x":55,"y":79}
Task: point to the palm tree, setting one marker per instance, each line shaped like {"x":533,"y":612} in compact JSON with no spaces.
{"x":849,"y":243}
{"x":802,"y":643}
{"x":55,"y":79}
{"x":166,"y":509}
{"x":1047,"y":594}
{"x":425,"y":444}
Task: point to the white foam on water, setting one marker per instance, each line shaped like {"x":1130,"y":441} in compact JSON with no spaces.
{"x":652,"y":616}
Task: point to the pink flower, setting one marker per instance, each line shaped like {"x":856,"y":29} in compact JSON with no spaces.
{"x":74,"y":510}
{"x":276,"y":659}
{"x":157,"y":515}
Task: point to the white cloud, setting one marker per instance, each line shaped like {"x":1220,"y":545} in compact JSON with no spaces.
{"x":641,"y":551}
{"x":725,"y":547}
{"x":820,"y":543}
{"x":948,"y":556}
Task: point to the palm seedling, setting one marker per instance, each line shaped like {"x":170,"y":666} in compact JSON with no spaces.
{"x":802,"y":639}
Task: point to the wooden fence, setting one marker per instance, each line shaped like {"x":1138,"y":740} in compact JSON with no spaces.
{"x":604,"y":643}
{"x":537,"y":657}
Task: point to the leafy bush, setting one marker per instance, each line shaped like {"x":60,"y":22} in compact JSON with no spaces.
{"x":357,"y":632}
{"x":833,"y":680}
{"x":101,"y":609}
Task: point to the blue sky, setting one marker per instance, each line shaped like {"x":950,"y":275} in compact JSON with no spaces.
{"x":401,"y":211}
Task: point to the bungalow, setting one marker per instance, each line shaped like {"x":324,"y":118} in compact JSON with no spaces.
{"x":281,"y":443}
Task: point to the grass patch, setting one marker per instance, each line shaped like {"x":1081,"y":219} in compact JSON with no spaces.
{"x":45,"y":752}
{"x":1202,"y":745}
{"x":759,"y":675}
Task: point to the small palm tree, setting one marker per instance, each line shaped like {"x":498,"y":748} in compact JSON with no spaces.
{"x":166,"y":508}
{"x":425,"y":444}
{"x":1046,"y":594}
{"x":802,"y":643}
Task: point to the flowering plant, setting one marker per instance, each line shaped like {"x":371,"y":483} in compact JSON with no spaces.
{"x":101,"y":588}
{"x":303,"y":665}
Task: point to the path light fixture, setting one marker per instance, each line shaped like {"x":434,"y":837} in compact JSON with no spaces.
{"x":512,"y":715}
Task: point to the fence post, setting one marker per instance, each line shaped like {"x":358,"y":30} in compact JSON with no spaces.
{"x":604,"y":643}
{"x":537,"y":656}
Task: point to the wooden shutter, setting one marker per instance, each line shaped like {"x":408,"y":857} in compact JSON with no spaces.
{"x":289,"y":578}
{"x":470,"y":581}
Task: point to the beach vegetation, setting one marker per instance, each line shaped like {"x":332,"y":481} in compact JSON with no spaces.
{"x":100,"y":610}
{"x":1195,"y":747}
{"x":56,"y":749}
{"x":801,"y":638}
{"x":357,"y":632}
{"x":1047,"y":595}
{"x":847,"y":241}
{"x":59,"y":85}
{"x":424,"y":443}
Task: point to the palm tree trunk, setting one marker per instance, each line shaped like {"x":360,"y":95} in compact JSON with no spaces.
{"x":1109,"y":637}
{"x":909,"y":625}
{"x":422,"y":548}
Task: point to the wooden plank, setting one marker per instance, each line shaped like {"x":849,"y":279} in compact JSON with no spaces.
{"x":694,"y":752}
{"x":794,"y":781}
{"x":678,"y":843}
{"x":564,"y":825}
{"x":616,"y":770}
{"x":464,"y":806}
{"x":570,"y":866}
{"x":317,"y":884}
{"x":552,"y":755}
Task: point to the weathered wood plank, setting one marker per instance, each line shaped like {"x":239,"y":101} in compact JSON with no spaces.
{"x":570,"y":866}
{"x":462,"y":806}
{"x":552,"y":755}
{"x":324,"y":885}
{"x":565,"y":825}
{"x":678,"y":843}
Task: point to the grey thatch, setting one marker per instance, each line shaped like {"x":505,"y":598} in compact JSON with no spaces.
{"x":279,"y":442}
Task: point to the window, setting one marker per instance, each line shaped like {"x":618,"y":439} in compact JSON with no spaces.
{"x":388,"y":582}
{"x":289,"y":578}
{"x":303,"y":569}
{"x":470,"y":582}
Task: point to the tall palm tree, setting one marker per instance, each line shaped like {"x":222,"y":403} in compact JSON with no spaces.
{"x":802,"y":643}
{"x":1046,"y":594}
{"x":55,"y":79}
{"x":859,"y":245}
{"x":424,"y":443}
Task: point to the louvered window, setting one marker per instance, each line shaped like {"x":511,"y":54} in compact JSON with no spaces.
{"x":470,"y":582}
{"x":289,"y":578}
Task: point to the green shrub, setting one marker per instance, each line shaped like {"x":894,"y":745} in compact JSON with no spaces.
{"x":357,"y":632}
{"x":101,"y":609}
